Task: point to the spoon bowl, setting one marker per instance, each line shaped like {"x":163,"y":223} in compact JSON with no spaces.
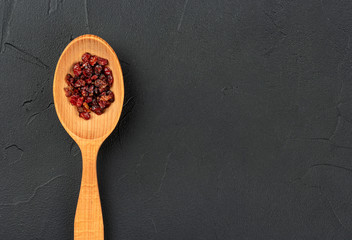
{"x":98,"y":126}
{"x":88,"y":134}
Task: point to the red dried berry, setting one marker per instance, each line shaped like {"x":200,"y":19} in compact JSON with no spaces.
{"x":93,"y":60}
{"x":79,"y":83}
{"x":89,"y":99}
{"x":95,"y":103}
{"x":98,"y":83}
{"x":102,"y":77}
{"x":104,"y":97}
{"x":87,"y":71}
{"x":68,"y":92}
{"x":77,"y":69}
{"x":79,"y":101}
{"x":98,"y":69}
{"x":103,"y":104}
{"x":67,"y":78}
{"x":84,"y":115}
{"x":72,"y":81}
{"x":85,"y":88}
{"x":111,"y":96}
{"x":84,"y":93}
{"x":73,"y":99}
{"x":107,"y":70}
{"x":110,"y":80}
{"x":97,"y":110}
{"x":80,"y":109}
{"x":96,"y":91}
{"x":86,"y":57}
{"x":103,"y":61}
{"x":90,"y":90}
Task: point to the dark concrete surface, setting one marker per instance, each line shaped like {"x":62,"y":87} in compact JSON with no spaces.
{"x":237,"y":122}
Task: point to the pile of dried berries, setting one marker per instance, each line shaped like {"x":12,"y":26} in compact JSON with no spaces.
{"x":89,"y":89}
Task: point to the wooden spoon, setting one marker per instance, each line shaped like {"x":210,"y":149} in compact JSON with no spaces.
{"x":88,"y":134}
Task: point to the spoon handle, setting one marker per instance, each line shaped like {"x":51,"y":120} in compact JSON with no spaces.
{"x":89,"y":219}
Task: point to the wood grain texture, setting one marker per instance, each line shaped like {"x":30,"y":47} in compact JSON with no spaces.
{"x":89,"y":218}
{"x":89,"y":135}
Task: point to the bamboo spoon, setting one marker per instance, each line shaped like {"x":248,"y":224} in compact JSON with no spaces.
{"x":88,"y":134}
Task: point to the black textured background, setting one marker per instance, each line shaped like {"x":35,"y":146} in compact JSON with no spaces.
{"x":237,"y":122}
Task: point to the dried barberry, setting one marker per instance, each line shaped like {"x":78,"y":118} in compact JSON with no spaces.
{"x":86,"y":57}
{"x":103,"y":61}
{"x":89,"y":88}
